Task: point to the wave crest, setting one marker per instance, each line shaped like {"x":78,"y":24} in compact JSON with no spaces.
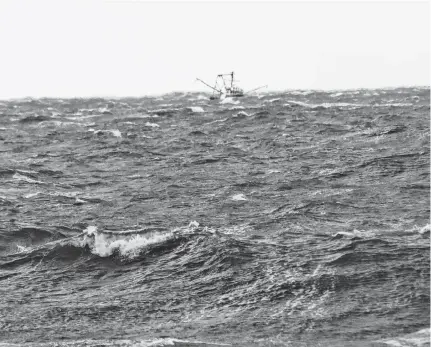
{"x":129,"y":243}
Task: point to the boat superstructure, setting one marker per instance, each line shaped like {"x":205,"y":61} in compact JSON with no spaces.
{"x":225,"y":87}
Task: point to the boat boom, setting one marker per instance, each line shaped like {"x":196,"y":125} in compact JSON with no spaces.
{"x":253,"y":90}
{"x":217,"y":90}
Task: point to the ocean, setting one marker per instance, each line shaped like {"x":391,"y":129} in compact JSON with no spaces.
{"x":296,"y":218}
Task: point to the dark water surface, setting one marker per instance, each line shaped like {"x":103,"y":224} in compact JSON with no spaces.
{"x":284,"y":219}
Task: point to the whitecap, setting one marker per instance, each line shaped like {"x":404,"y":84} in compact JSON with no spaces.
{"x":229,"y":100}
{"x":300,"y":92}
{"x":80,"y":116}
{"x":193,"y":224}
{"x":336,"y":95}
{"x":31,"y":195}
{"x":324,"y":105}
{"x":235,"y":230}
{"x":22,"y":249}
{"x":103,"y":110}
{"x":129,"y":245}
{"x":354,"y":233}
{"x":79,"y":201}
{"x":90,"y":230}
{"x":198,"y":98}
{"x":420,"y":230}
{"x":394,"y":104}
{"x":239,"y":197}
{"x":19,"y":177}
{"x":196,"y":109}
{"x":173,"y":342}
{"x":424,"y":230}
{"x":152,"y":125}
{"x":241,"y":114}
{"x":116,"y":132}
{"x":217,"y":121}
{"x":56,"y":123}
{"x":65,"y":194}
{"x":26,"y":171}
{"x":420,"y":338}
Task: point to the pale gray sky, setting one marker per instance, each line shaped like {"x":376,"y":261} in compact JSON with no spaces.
{"x":121,"y":48}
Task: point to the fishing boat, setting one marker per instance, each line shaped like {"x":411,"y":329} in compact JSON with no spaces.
{"x":225,"y":87}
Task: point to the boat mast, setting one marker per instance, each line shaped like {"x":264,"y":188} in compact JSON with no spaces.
{"x":231,"y":81}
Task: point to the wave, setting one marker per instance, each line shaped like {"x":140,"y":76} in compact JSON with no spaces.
{"x":394,"y":104}
{"x":127,"y":244}
{"x":159,"y":342}
{"x":229,"y":100}
{"x":114,"y":132}
{"x":34,"y":119}
{"x":165,"y":111}
{"x":271,"y":100}
{"x":64,"y":197}
{"x":239,"y":197}
{"x":420,"y":338}
{"x":241,"y":114}
{"x":151,"y":125}
{"x":60,"y":124}
{"x":21,"y":237}
{"x":344,"y":105}
{"x":424,"y":230}
{"x":137,"y":117}
{"x":325,"y":105}
{"x":196,"y":109}
{"x":235,"y":108}
{"x":34,"y":245}
{"x":385,"y":130}
{"x":200,"y":97}
{"x":58,"y":250}
{"x":19,"y":177}
{"x":81,"y":116}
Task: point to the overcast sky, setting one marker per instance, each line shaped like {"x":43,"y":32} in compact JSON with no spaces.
{"x":132,"y":48}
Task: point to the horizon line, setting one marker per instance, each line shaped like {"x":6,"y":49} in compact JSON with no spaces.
{"x":208,"y":92}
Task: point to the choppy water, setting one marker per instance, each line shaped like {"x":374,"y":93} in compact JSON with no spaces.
{"x":284,"y":219}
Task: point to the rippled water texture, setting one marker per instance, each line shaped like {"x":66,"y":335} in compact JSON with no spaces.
{"x":280,"y":219}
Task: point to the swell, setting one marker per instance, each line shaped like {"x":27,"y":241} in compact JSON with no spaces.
{"x":17,"y":237}
{"x":60,"y":252}
{"x":125,"y":246}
